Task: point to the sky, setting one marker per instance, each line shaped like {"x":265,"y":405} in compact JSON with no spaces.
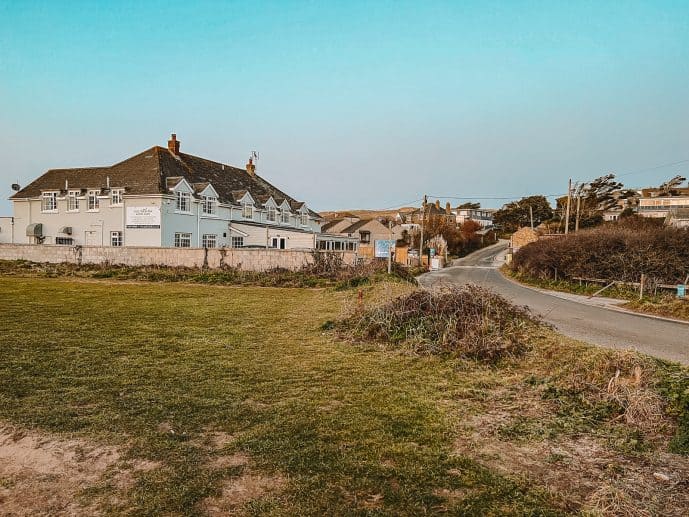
{"x":353,"y":104}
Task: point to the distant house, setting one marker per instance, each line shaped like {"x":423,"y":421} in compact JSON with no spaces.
{"x":653,"y":204}
{"x":679,"y":218}
{"x":483,"y":216}
{"x":367,"y":232}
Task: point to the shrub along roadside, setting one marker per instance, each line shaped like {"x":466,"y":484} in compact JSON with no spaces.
{"x":323,"y":272}
{"x":620,"y":251}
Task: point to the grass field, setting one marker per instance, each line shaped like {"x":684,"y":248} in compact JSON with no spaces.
{"x":186,"y":399}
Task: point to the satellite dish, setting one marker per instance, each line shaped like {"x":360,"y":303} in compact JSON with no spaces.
{"x":16,"y":187}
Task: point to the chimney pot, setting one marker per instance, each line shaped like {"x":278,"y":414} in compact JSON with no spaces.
{"x":173,"y":144}
{"x":250,"y":167}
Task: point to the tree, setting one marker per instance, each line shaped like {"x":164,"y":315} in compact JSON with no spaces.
{"x":516,"y":214}
{"x":473,"y":206}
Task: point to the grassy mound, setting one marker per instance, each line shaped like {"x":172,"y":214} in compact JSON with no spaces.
{"x":466,"y":321}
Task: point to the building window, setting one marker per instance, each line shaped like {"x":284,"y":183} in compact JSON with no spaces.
{"x":49,"y":202}
{"x":116,"y":196}
{"x":183,"y":201}
{"x":208,"y":205}
{"x":271,"y":214}
{"x":73,"y":201}
{"x":208,"y":240}
{"x":93,"y":202}
{"x":64,"y":241}
{"x":116,"y":239}
{"x":247,"y":211}
{"x":182,"y":240}
{"x":284,"y":216}
{"x":304,"y":218}
{"x":237,"y":242}
{"x":365,"y":237}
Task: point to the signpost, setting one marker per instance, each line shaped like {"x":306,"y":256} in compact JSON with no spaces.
{"x":383,"y":248}
{"x":143,"y":217}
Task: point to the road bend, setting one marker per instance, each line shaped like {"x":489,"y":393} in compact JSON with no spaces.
{"x":594,"y":321}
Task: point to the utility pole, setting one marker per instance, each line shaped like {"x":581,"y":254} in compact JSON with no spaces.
{"x":423,"y":216}
{"x":576,"y":224}
{"x":531,"y":215}
{"x":390,"y":248}
{"x":569,"y":200}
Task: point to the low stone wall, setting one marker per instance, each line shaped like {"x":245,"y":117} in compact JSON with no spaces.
{"x":247,"y":259}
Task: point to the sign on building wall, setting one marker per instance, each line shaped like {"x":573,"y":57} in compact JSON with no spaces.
{"x":143,"y":217}
{"x":382,"y":248}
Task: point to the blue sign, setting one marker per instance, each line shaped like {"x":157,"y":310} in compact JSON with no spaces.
{"x":432,"y":250}
{"x":382,"y":248}
{"x":681,"y":289}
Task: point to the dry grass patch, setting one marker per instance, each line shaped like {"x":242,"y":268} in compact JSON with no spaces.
{"x":43,"y":474}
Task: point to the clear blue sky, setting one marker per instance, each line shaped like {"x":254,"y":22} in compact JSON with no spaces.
{"x":352,"y":104}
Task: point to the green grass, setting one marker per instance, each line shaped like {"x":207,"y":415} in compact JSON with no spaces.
{"x":112,"y":362}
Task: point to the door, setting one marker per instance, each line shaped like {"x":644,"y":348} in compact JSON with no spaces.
{"x":283,"y":243}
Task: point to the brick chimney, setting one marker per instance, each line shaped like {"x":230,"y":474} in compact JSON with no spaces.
{"x":448,"y":208}
{"x":250,"y":167}
{"x":437,"y":204}
{"x":173,"y":144}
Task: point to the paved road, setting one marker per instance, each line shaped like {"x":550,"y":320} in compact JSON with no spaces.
{"x":593,"y":321}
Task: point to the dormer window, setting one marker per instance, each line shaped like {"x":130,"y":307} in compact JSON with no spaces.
{"x":49,"y":202}
{"x":272,"y":214}
{"x":92,"y":200}
{"x":208,"y":204}
{"x":247,"y":211}
{"x":304,"y":218}
{"x":116,"y":196}
{"x":284,"y":216}
{"x":182,"y":201}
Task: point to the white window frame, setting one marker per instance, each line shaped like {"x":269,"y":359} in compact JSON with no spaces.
{"x":247,"y":211}
{"x":183,"y":202}
{"x":284,"y":216}
{"x":116,"y":239}
{"x":271,"y":214}
{"x":116,"y":197}
{"x":93,"y":203}
{"x":237,"y":242}
{"x":64,"y":241}
{"x":304,"y":218}
{"x":49,"y":202}
{"x":73,"y":200}
{"x":209,"y":240}
{"x":182,"y":240}
{"x":208,"y":205}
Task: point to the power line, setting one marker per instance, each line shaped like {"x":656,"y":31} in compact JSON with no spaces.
{"x":653,"y":168}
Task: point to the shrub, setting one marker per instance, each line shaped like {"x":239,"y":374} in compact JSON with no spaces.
{"x":619,"y":251}
{"x":466,"y":321}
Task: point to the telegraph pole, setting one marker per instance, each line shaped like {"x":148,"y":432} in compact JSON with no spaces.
{"x":569,"y":200}
{"x":390,"y":248}
{"x":576,"y":223}
{"x":531,"y":215}
{"x":423,"y":216}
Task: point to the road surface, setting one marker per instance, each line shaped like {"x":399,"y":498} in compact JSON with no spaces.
{"x":592,"y":321}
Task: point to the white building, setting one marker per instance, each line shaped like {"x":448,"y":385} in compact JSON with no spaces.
{"x":163,"y":198}
{"x":662,"y":206}
{"x":482,"y":216}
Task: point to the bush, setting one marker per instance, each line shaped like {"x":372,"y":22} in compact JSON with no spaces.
{"x":618,"y":251}
{"x":466,"y":321}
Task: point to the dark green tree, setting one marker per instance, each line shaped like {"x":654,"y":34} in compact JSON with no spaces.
{"x":516,"y":214}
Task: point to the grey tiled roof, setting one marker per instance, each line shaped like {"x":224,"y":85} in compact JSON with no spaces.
{"x":155,"y":171}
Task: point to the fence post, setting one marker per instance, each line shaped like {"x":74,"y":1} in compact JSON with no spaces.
{"x":641,"y":286}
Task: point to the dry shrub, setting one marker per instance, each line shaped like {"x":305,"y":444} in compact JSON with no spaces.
{"x":616,"y":500}
{"x":466,"y":321}
{"x":624,"y":381}
{"x":617,"y":251}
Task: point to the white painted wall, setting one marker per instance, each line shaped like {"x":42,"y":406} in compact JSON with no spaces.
{"x":6,"y":230}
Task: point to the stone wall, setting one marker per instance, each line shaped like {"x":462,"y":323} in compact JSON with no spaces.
{"x":246,"y":259}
